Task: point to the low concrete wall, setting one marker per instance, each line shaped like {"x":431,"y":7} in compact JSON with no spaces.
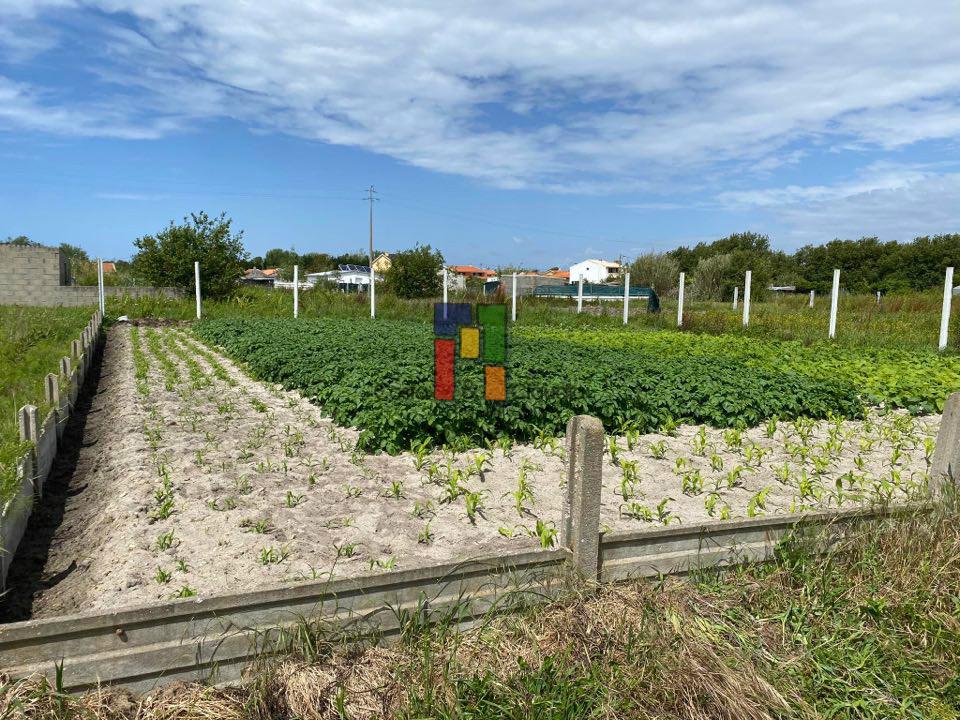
{"x":83,"y":295}
{"x":33,"y":468}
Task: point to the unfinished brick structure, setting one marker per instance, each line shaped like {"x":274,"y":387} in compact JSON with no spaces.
{"x":32,"y":275}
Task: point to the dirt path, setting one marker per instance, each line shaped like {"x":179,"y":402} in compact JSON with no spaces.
{"x":195,"y":479}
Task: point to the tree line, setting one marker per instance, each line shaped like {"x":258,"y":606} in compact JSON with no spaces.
{"x":867,"y":265}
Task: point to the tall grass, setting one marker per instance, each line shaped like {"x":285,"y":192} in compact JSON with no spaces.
{"x":869,"y":630}
{"x":32,"y":341}
{"x":909,"y":321}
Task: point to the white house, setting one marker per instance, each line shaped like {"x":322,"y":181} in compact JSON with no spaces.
{"x":594,"y":271}
{"x":350,"y":278}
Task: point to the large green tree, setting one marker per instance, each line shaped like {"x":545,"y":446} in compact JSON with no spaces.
{"x":167,"y":258}
{"x":415,"y":273}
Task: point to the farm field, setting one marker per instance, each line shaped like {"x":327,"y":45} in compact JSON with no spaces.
{"x":203,"y":480}
{"x":32,"y":341}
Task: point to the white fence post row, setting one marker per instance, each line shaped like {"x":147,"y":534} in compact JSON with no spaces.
{"x":813,"y":294}
{"x":683,"y":280}
{"x":296,"y":291}
{"x":444,"y":286}
{"x":746,"y":297}
{"x":373,"y":295}
{"x":513,"y":300}
{"x":834,"y":298}
{"x":626,"y":297}
{"x":736,"y":296}
{"x":580,"y":296}
{"x":196,"y":283}
{"x":945,"y":312}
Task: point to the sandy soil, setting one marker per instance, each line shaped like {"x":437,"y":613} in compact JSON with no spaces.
{"x":212,"y":482}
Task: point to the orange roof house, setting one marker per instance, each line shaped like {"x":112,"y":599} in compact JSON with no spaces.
{"x":470,"y":271}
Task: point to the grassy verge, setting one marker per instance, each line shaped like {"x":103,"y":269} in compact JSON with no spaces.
{"x":32,"y":341}
{"x":870,"y":630}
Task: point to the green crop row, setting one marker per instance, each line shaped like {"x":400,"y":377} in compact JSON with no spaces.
{"x":380,"y":379}
{"x":916,"y":380}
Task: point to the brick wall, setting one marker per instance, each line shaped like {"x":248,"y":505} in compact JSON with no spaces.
{"x":39,"y":276}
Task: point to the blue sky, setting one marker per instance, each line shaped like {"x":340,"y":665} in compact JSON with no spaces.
{"x":531,"y":133}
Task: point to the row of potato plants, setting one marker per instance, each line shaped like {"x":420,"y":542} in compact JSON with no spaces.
{"x":382,"y":382}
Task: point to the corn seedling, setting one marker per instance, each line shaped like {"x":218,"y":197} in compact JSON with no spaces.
{"x":658,"y":450}
{"x":292,"y":499}
{"x":545,"y":533}
{"x":425,"y":536}
{"x":699,"y":442}
{"x":163,"y":576}
{"x":165,"y":540}
{"x":757,"y":504}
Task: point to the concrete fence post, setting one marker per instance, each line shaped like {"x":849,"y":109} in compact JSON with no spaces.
{"x":76,"y":350}
{"x":626,"y":298}
{"x":513,"y":300}
{"x":736,"y":296}
{"x":580,"y":524}
{"x":580,"y":295}
{"x":746,"y":297}
{"x":51,"y":388}
{"x":296,"y":291}
{"x":65,"y":368}
{"x":834,"y":299}
{"x":680,"y":289}
{"x":945,"y":311}
{"x":196,"y":285}
{"x":945,"y":463}
{"x":813,"y":294}
{"x":29,"y":421}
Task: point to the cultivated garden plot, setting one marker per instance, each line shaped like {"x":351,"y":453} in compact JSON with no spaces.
{"x":212,"y":482}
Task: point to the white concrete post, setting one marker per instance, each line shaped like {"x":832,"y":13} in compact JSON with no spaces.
{"x":580,"y":296}
{"x":196,"y":284}
{"x":945,"y":311}
{"x":813,"y":294}
{"x":626,"y":297}
{"x":834,"y":297}
{"x":746,"y":297}
{"x":580,"y":521}
{"x":683,"y":280}
{"x":373,"y":295}
{"x":296,"y":291}
{"x":51,"y":389}
{"x":878,"y":297}
{"x":736,"y":297}
{"x":101,"y":295}
{"x":513,"y":302}
{"x":29,"y":421}
{"x":444,"y":286}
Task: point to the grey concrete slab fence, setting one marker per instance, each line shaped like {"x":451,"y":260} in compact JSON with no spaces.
{"x":33,"y":468}
{"x":213,"y":638}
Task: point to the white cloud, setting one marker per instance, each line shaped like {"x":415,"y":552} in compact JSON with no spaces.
{"x":890,"y":201}
{"x":571,"y":96}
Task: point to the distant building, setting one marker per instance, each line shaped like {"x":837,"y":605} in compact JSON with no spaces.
{"x":382,"y":263}
{"x":347,"y":278}
{"x":470,"y":271}
{"x":594,"y":271}
{"x":109,"y":267}
{"x":256,"y":276}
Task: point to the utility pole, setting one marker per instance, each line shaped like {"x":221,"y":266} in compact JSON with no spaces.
{"x":371,"y":199}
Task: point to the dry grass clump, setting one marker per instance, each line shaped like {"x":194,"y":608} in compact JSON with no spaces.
{"x":870,"y":630}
